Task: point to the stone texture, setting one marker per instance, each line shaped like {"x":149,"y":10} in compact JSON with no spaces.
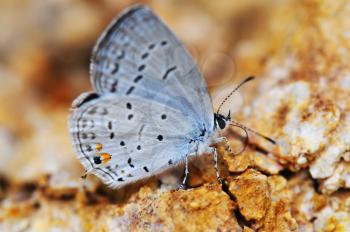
{"x":252,"y":193}
{"x":266,"y":201}
{"x":299,"y":53}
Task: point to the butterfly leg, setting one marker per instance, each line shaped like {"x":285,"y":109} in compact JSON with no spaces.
{"x":84,"y":175}
{"x":224,"y":139}
{"x":216,"y":166}
{"x":183,"y":185}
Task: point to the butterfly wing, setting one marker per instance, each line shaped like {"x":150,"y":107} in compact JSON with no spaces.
{"x":138,"y":55}
{"x":122,"y":139}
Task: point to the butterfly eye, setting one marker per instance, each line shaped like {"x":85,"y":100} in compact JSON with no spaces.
{"x":221,"y":122}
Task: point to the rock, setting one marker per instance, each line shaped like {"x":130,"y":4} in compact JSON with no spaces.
{"x":266,"y":201}
{"x":252,"y":194}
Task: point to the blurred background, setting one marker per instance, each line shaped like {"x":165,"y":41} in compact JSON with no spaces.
{"x":45,"y":48}
{"x":297,"y":50}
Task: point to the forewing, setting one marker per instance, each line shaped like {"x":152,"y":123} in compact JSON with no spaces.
{"x":125,"y":139}
{"x":138,"y":55}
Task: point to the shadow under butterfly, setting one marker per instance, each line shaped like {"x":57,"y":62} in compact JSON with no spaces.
{"x":150,"y":109}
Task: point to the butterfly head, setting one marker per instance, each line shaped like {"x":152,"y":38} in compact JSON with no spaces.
{"x":220,"y":121}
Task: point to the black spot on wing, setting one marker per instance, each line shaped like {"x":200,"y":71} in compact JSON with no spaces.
{"x":130,"y":164}
{"x":141,"y":67}
{"x":109,"y":125}
{"x":166,"y":74}
{"x":130,"y":90}
{"x":114,"y":86}
{"x":160,"y":137}
{"x":89,"y":97}
{"x":88,"y":148}
{"x":90,"y":135}
{"x":145,"y":55}
{"x":115,"y":68}
{"x":140,"y":131}
{"x":138,"y":78}
{"x":97,"y":160}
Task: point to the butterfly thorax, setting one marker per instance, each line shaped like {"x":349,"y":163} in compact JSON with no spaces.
{"x":204,"y":142}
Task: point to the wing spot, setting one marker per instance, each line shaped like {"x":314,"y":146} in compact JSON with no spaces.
{"x":170,"y":162}
{"x":120,"y":179}
{"x":97,"y":160}
{"x":130,"y":164}
{"x":151,"y":46}
{"x":166,"y":74}
{"x":145,"y":168}
{"x":163,"y":116}
{"x":111,"y":136}
{"x":138,"y":147}
{"x":92,"y":135}
{"x":160,"y":137}
{"x":141,"y":67}
{"x":115,"y":68}
{"x":84,"y":136}
{"x":114,"y":86}
{"x":83,"y":123}
{"x":129,"y":175}
{"x":163,"y":43}
{"x":128,"y":105}
{"x":138,"y":78}
{"x":109,"y":125}
{"x":122,"y":143}
{"x":105,"y":157}
{"x":130,"y":90}
{"x":99,"y":146}
{"x":130,"y":116}
{"x":90,"y":97}
{"x":145,"y":55}
{"x":88,"y":148}
{"x":141,"y":129}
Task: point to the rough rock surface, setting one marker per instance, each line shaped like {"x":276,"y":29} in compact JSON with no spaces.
{"x":266,"y":201}
{"x":299,"y":52}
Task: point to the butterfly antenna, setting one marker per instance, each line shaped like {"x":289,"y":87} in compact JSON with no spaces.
{"x":233,"y":91}
{"x":246,"y":140}
{"x":233,"y":123}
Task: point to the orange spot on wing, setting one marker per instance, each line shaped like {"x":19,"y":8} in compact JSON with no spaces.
{"x":99,"y":146}
{"x":106,"y":157}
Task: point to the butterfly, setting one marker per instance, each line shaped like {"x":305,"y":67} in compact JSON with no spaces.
{"x":150,"y":109}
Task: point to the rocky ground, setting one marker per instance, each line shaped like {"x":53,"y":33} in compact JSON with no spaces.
{"x":299,"y":53}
